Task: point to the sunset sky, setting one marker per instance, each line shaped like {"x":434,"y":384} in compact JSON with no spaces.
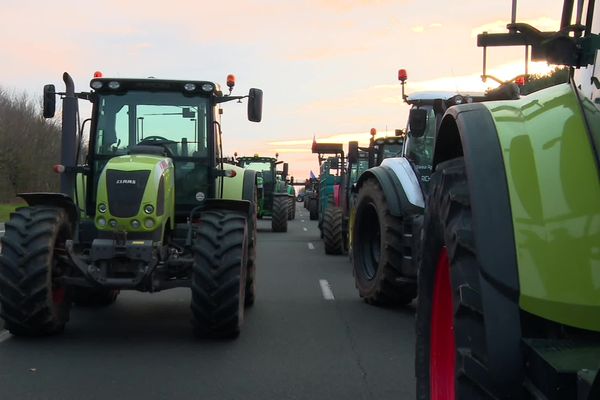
{"x":327,"y":67}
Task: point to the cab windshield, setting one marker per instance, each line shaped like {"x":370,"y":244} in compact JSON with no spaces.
{"x":125,"y":120}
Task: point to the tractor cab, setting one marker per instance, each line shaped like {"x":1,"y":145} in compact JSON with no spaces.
{"x":424,"y":119}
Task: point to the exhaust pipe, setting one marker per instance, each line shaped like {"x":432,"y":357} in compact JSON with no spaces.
{"x":68,"y":147}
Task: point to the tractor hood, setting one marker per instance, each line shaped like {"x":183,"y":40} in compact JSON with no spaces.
{"x":132,"y":192}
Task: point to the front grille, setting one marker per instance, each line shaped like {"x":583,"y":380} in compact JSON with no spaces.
{"x":125,"y":191}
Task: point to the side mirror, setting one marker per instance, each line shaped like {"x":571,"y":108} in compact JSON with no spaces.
{"x":49,"y":101}
{"x":353,"y":152}
{"x":417,"y":122}
{"x":255,"y":100}
{"x":286,"y":168}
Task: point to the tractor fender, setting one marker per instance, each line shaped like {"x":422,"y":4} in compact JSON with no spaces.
{"x":399,"y":184}
{"x":58,"y":200}
{"x":469,"y":130}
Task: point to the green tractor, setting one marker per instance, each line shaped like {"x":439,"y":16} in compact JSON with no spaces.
{"x":152,"y":206}
{"x":274,"y":197}
{"x":509,"y":278}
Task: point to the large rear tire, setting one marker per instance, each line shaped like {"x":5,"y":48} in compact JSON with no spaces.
{"x":313,"y":209}
{"x":451,"y":353}
{"x":279,"y":218}
{"x":33,"y":302}
{"x":333,"y":235}
{"x":219,"y":274}
{"x":381,"y":250}
{"x":93,"y":297}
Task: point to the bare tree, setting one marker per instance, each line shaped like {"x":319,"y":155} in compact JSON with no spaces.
{"x":29,"y":146}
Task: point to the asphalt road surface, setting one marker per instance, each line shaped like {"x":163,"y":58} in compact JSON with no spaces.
{"x":308,"y":336}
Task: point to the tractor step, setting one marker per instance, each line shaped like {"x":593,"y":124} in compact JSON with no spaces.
{"x":563,"y":369}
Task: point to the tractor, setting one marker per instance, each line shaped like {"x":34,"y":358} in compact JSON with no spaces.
{"x":332,"y":172}
{"x":273,"y":197}
{"x":336,"y":217}
{"x":509,"y":289}
{"x":152,"y":206}
{"x":390,"y":196}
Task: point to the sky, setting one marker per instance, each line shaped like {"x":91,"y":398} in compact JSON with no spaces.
{"x":328,"y":68}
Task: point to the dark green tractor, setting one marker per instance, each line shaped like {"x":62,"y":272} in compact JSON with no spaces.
{"x":152,"y":206}
{"x":509,"y":276}
{"x":273,"y":197}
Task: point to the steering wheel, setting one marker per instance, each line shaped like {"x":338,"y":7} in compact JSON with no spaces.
{"x":159,"y":141}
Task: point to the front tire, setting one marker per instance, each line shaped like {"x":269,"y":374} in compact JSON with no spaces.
{"x":33,"y":302}
{"x":451,"y":352}
{"x":219,"y":274}
{"x":279,"y":217}
{"x":381,"y":251}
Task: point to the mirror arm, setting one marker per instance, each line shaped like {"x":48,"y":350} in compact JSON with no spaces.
{"x":225,"y":99}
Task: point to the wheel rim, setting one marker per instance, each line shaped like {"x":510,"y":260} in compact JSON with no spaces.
{"x":442,"y":355}
{"x":370,"y":241}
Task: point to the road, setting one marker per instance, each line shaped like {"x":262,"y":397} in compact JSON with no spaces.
{"x":299,"y":341}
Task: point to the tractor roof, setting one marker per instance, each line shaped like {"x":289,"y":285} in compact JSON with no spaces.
{"x":389,"y":140}
{"x":257,"y":159}
{"x":191,"y":87}
{"x":427,"y":97}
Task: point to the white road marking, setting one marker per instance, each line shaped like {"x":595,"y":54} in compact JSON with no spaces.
{"x":326,"y":289}
{"x":302,"y":220}
{"x":4,"y":335}
{"x":305,"y":229}
{"x":311,"y":246}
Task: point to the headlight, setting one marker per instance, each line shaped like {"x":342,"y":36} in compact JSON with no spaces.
{"x":190,"y":87}
{"x":135,"y":224}
{"x":208,"y":87}
{"x":102,"y":208}
{"x":148,"y":209}
{"x":101,"y":221}
{"x":149,"y":223}
{"x":114,"y":85}
{"x":96,"y":85}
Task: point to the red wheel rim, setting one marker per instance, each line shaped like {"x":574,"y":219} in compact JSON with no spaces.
{"x":442,"y":355}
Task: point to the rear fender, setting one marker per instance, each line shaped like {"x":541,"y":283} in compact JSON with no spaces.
{"x":240,"y":206}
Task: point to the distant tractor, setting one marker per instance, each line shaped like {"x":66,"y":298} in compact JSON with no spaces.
{"x":152,"y":207}
{"x":274,"y":198}
{"x":509,"y":279}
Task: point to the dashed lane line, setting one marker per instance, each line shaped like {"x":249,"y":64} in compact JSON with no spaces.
{"x":326,"y":290}
{"x":305,"y":229}
{"x":311,"y":246}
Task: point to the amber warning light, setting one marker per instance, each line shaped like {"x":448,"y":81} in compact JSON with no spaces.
{"x":402,"y":75}
{"x":230,"y":81}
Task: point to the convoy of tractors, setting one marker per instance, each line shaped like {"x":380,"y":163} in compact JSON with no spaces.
{"x":485,"y":209}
